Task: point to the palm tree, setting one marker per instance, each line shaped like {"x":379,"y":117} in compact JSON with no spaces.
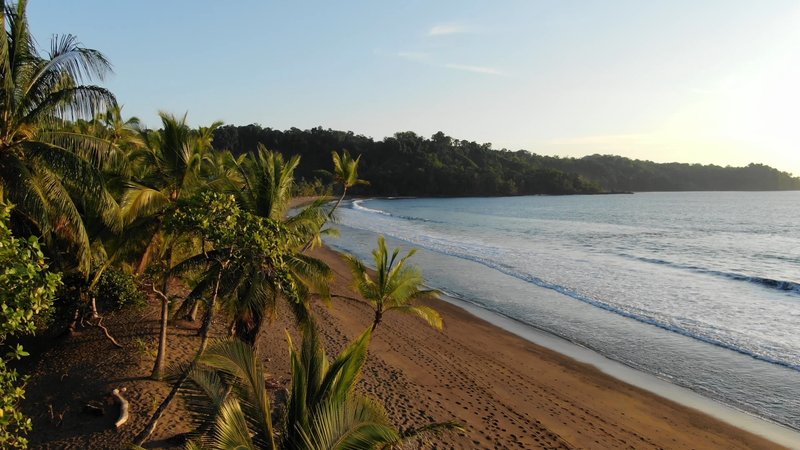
{"x":39,"y":171}
{"x":124,"y":136}
{"x":266,"y":192}
{"x":231,"y":406}
{"x":394,"y":287}
{"x":170,"y":170}
{"x":238,"y":240}
{"x":268,"y":180}
{"x":345,"y":172}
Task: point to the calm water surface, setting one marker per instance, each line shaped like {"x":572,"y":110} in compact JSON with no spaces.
{"x":701,"y":289}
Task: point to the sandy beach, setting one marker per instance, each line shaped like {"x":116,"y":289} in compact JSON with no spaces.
{"x":508,"y":392}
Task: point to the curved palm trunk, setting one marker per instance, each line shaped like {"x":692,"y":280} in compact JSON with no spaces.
{"x":344,"y":192}
{"x":209,"y":319}
{"x":148,"y":253}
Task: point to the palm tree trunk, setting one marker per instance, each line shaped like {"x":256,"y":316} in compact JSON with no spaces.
{"x":209,"y":319}
{"x":148,"y":253}
{"x":344,"y":192}
{"x":158,"y":368}
{"x":151,"y":425}
{"x":378,"y":317}
{"x":330,"y":215}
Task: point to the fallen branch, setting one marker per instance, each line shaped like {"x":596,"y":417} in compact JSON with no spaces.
{"x":123,"y":407}
{"x":108,"y":335}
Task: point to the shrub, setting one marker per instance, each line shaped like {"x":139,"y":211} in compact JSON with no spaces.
{"x":27,"y":290}
{"x":119,"y":289}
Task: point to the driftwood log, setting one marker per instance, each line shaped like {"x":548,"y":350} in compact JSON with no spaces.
{"x":123,"y":407}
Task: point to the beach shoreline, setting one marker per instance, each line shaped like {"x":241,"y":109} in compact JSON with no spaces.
{"x":576,"y":400}
{"x":509,"y":392}
{"x":763,"y":427}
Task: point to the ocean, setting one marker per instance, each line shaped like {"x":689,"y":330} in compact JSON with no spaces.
{"x":701,"y":289}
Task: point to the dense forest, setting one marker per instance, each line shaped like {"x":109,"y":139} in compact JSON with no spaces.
{"x":408,"y":164}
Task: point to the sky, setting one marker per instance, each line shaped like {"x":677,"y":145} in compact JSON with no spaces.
{"x":713,"y":81}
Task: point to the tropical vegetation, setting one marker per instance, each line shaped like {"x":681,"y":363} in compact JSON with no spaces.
{"x":126,"y":213}
{"x":98,"y":213}
{"x":406,"y":164}
{"x":27,"y":290}
{"x":394,"y":286}
{"x":231,"y":407}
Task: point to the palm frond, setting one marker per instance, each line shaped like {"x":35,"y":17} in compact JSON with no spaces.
{"x":426,"y":313}
{"x":231,"y":428}
{"x":142,"y":201}
{"x":238,"y":360}
{"x":341,"y":376}
{"x":357,"y":423}
{"x":311,"y":272}
{"x":204,"y":394}
{"x":73,"y":102}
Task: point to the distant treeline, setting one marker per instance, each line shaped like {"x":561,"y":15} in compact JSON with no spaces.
{"x":408,"y":164}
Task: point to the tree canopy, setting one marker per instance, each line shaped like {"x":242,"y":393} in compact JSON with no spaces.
{"x":409,"y":164}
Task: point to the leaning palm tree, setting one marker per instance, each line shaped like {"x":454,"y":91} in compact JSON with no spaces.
{"x":39,"y":171}
{"x":231,"y":407}
{"x":394,"y":287}
{"x":345,"y":172}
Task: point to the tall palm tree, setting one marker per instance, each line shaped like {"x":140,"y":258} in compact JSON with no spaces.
{"x":50,"y":184}
{"x":268,"y":180}
{"x":345,"y":173}
{"x":394,"y":287}
{"x":266,"y":190}
{"x":171,"y":162}
{"x":231,"y":407}
{"x":238,"y":242}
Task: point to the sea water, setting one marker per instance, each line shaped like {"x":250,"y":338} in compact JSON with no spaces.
{"x":700,"y":289}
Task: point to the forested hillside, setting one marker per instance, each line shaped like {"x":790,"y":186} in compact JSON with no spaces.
{"x":408,"y":164}
{"x":616,"y":173}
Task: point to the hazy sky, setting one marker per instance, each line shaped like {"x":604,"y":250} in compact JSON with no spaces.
{"x":689,"y":81}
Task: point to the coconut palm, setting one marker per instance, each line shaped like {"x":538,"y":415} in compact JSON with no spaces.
{"x":268,"y":180}
{"x":170,"y":170}
{"x":394,"y":287}
{"x":345,"y":172}
{"x":124,"y":137}
{"x":39,"y":171}
{"x":231,"y":407}
{"x":266,"y":192}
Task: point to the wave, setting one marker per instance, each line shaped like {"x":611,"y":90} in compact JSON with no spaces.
{"x":358,"y":205}
{"x":482,"y":254}
{"x":631,"y":314}
{"x":780,"y":285}
{"x":471,"y":251}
